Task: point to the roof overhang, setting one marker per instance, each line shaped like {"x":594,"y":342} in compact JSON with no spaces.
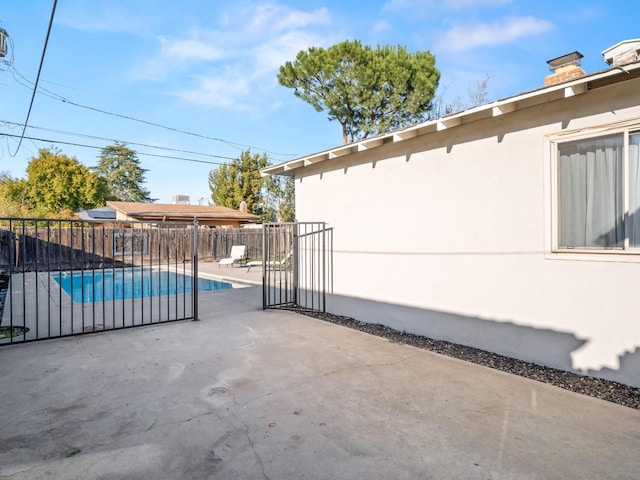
{"x":157,"y":212}
{"x":494,"y":109}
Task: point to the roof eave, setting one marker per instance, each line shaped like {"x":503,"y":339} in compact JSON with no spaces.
{"x":494,"y":109}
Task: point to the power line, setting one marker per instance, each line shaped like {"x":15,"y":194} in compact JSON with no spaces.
{"x":138,"y":153}
{"x":35,"y":85}
{"x":63,"y":99}
{"x":95,"y":137}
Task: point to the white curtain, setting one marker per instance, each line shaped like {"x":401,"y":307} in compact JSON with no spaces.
{"x":590,"y":191}
{"x":634,"y":190}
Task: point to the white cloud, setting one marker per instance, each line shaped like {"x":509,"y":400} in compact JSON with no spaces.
{"x":135,"y":18}
{"x":227,"y":91}
{"x":457,"y":4}
{"x":277,"y":18}
{"x":248,"y":46}
{"x":190,"y":49}
{"x":381,"y":26}
{"x":427,"y":6}
{"x":467,"y":37}
{"x":278,"y":50}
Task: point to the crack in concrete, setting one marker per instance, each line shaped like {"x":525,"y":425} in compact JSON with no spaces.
{"x":245,"y":430}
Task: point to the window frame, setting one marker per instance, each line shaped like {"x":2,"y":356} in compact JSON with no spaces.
{"x":553,"y":249}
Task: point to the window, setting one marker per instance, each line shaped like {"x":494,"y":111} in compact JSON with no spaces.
{"x":598,"y":193}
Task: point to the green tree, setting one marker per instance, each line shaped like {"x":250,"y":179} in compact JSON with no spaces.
{"x":14,"y":198}
{"x":269,"y":197}
{"x":281,"y":197}
{"x":120,"y":169}
{"x":368,"y":91}
{"x":57,"y":182}
{"x":240,"y":180}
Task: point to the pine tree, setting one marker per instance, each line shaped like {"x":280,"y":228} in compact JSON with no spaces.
{"x":368,"y":91}
{"x":120,"y":169}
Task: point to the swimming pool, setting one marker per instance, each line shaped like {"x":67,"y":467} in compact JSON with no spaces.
{"x":91,"y":286}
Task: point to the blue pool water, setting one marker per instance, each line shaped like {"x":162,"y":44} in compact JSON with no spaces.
{"x":105,"y":285}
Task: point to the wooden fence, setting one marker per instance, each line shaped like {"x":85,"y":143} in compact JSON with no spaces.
{"x":61,"y":244}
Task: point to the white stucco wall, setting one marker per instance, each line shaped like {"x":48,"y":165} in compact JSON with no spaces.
{"x":448,"y":235}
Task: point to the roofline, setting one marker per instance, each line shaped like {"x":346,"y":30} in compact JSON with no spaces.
{"x":204,"y":218}
{"x":532,"y":98}
{"x":160,"y":214}
{"x":628,"y":40}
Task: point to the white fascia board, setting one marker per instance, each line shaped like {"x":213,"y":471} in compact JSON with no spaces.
{"x":399,"y":136}
{"x":340,"y":152}
{"x":445,"y":123}
{"x":316,"y":159}
{"x":367,"y":144}
{"x":503,"y":108}
{"x":574,"y":90}
{"x":274,"y":170}
{"x":293,"y":165}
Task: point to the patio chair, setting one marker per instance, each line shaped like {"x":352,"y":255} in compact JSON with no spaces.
{"x":237,"y":253}
{"x":270,"y":263}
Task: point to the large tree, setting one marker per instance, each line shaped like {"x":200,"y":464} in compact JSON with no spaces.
{"x":280,"y":192}
{"x":368,"y":91}
{"x":119,"y":167}
{"x":14,"y":197}
{"x":57,"y":182}
{"x":240,"y":180}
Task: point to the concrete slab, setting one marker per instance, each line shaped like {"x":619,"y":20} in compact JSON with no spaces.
{"x":247,"y":394}
{"x":231,"y":273}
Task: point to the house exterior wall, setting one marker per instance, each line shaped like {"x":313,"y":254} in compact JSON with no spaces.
{"x":449,"y":235}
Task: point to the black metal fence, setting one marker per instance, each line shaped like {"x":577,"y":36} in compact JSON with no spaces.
{"x":297,"y":265}
{"x":62,"y":277}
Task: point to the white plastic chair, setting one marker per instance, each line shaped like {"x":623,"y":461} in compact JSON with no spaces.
{"x":271,"y":263}
{"x":237,"y":253}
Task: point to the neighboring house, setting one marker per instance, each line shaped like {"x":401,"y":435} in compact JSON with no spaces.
{"x":102,"y":214}
{"x":211,"y":216}
{"x":511,"y":227}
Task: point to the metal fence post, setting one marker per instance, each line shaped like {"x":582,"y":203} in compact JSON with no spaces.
{"x":323,"y":259}
{"x":265,"y":252}
{"x":295,"y":235}
{"x":194,"y":263}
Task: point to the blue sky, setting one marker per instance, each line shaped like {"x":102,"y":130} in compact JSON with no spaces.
{"x":209,"y":68}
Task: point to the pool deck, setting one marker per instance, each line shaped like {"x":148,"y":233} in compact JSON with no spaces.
{"x":251,"y":394}
{"x":233,"y":273}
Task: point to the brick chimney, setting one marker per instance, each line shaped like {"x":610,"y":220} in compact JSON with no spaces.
{"x":564,"y":68}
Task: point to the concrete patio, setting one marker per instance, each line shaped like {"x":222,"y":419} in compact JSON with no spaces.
{"x":234,"y":273}
{"x":252,"y":394}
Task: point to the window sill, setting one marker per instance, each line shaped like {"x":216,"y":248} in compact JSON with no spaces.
{"x":621,"y":256}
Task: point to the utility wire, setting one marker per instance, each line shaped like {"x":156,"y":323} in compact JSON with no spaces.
{"x":138,"y":153}
{"x":84,"y":135}
{"x":35,"y":85}
{"x":63,"y":99}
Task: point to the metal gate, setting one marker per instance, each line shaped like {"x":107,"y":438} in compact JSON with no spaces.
{"x":297,"y":265}
{"x":63,"y":277}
